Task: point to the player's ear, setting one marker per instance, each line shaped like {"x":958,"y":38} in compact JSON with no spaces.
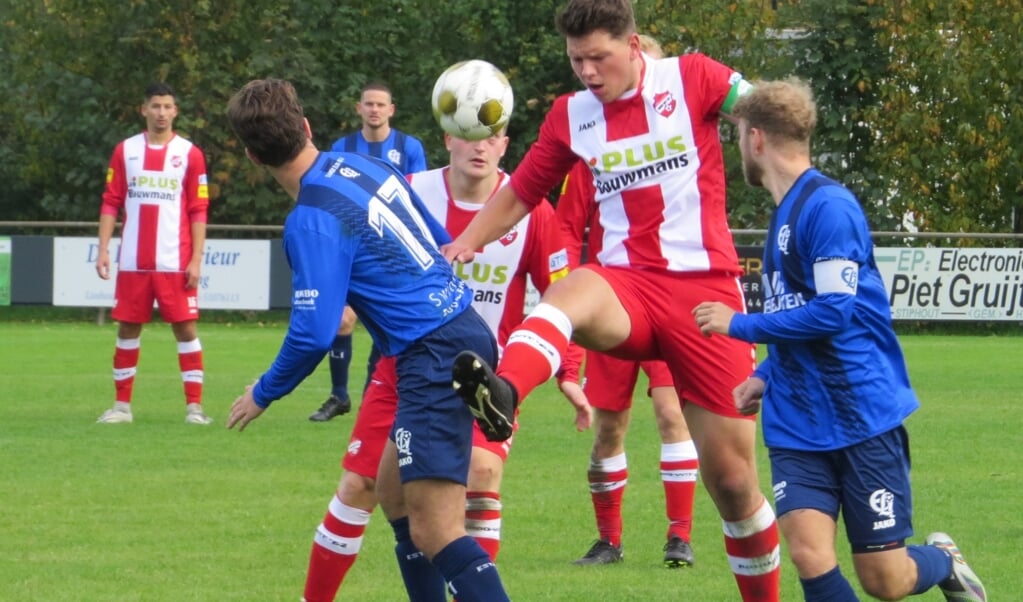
{"x":308,"y":128}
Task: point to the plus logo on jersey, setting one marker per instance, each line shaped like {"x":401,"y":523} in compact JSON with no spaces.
{"x":665,"y":103}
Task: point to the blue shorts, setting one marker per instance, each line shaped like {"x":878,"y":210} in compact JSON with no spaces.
{"x":868,"y":482}
{"x":433,"y":427}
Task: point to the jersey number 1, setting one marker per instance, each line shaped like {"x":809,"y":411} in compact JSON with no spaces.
{"x":381,"y":215}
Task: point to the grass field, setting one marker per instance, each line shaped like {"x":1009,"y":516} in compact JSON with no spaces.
{"x":163,"y":511}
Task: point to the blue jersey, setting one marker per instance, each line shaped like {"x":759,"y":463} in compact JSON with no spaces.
{"x":359,"y":236}
{"x":403,"y":151}
{"x":835,"y":373}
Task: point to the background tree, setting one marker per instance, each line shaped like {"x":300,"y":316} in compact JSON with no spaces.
{"x":835,"y":47}
{"x":920,"y":101}
{"x":950,"y":118}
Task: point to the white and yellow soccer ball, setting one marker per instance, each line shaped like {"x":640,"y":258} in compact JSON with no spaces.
{"x":472,"y":100}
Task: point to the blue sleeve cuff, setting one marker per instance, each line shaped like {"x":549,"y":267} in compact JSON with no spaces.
{"x":258,"y":396}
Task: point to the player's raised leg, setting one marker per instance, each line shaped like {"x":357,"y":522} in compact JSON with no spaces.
{"x":533,"y":352}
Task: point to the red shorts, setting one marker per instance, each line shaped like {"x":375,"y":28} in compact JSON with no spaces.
{"x":135,"y":292}
{"x":374,"y":420}
{"x":610,"y":381}
{"x":376,"y":416}
{"x":660,"y":305}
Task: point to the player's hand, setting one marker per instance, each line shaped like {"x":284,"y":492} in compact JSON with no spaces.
{"x":747,"y":396}
{"x":192,"y":275}
{"x":103,"y":264}
{"x":456,"y":251}
{"x":713,"y":317}
{"x":575,"y":396}
{"x":244,"y":410}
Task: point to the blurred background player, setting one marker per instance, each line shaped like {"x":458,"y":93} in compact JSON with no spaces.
{"x":334,"y":250}
{"x":651,"y":128}
{"x":832,"y":355}
{"x":157,"y":182}
{"x":377,"y":139}
{"x":452,"y":194}
{"x":609,"y":386}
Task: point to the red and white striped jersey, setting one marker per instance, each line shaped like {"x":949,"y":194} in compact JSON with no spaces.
{"x":498,"y":273}
{"x":161,"y":190}
{"x":655,"y":156}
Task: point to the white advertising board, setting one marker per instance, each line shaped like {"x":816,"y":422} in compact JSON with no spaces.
{"x":953,"y":284}
{"x":235,"y":274}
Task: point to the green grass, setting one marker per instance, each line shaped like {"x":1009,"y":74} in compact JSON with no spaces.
{"x":163,"y":511}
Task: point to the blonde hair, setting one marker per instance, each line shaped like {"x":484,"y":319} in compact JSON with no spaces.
{"x":784,"y":110}
{"x":650,"y":46}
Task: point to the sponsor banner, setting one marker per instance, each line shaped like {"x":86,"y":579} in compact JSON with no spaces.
{"x":751,"y":260}
{"x":235,"y":274}
{"x":5,"y":270}
{"x":953,"y":284}
{"x":930,"y":283}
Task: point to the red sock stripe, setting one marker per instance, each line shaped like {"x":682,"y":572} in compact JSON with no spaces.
{"x":607,"y":490}
{"x":526,"y":362}
{"x":338,"y":527}
{"x":758,"y":544}
{"x":125,"y":359}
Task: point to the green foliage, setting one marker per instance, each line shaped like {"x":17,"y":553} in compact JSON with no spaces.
{"x":837,"y":52}
{"x":950,"y":113}
{"x":920,"y":108}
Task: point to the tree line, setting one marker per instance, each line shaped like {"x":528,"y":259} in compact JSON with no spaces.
{"x":919,"y":101}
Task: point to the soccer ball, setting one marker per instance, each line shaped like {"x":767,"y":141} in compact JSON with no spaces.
{"x":472,"y":100}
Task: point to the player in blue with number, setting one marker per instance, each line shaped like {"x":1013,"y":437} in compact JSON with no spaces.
{"x":834,"y":387}
{"x":359,"y":235}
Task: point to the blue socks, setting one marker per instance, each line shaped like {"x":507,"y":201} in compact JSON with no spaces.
{"x":423,"y":582}
{"x":933,"y":566}
{"x":340,"y":359}
{"x":462,"y":563}
{"x":829,"y":587}
{"x":470,"y":572}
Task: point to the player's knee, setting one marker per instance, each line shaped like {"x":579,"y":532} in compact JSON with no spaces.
{"x":348,"y":320}
{"x":484,"y":476}
{"x":734,"y":490}
{"x":353,"y":486}
{"x":611,"y":427}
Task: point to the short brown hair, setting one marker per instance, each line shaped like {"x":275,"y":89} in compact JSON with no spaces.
{"x":376,"y":85}
{"x":580,"y":18}
{"x":784,"y":110}
{"x":267,"y":116}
